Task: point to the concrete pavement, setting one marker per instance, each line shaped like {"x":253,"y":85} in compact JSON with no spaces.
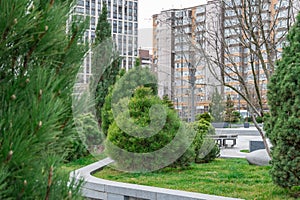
{"x":245,"y":135}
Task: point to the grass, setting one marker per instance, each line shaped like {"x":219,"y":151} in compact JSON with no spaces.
{"x":245,"y":151}
{"x":81,"y":162}
{"x":224,"y":177}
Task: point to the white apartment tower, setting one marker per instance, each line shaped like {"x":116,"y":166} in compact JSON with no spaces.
{"x":123,"y":17}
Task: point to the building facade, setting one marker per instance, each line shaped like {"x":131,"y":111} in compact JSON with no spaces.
{"x":145,"y":58}
{"x":179,"y":52}
{"x":123,"y":17}
{"x":251,"y":55}
{"x":200,"y":48}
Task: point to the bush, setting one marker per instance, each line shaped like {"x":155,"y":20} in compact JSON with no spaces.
{"x":248,"y":119}
{"x":283,"y":125}
{"x":213,"y":153}
{"x":126,"y":83}
{"x":259,"y":119}
{"x":206,"y":116}
{"x":106,"y":114}
{"x":88,"y":131}
{"x":205,"y":148}
{"x":160,"y":133}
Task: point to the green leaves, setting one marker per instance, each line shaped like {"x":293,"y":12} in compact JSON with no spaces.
{"x":144,"y":151}
{"x":282,"y":127}
{"x":38,"y":65}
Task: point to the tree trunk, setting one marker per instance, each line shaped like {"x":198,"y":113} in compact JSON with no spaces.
{"x":262,"y":134}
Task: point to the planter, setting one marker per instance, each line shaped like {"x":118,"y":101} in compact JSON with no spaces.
{"x":246,"y":125}
{"x":256,"y":145}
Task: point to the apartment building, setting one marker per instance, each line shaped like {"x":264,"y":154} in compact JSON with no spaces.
{"x":252,"y":54}
{"x":190,"y":45}
{"x":123,"y":17}
{"x":182,"y":72}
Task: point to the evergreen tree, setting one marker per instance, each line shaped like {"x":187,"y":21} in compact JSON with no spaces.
{"x":206,"y":148}
{"x":38,"y":66}
{"x":137,"y":62}
{"x":168,"y":102}
{"x":137,"y":73}
{"x":103,"y":30}
{"x":109,"y":74}
{"x":160,"y":132}
{"x":216,"y":107}
{"x":230,"y":114}
{"x":283,"y":124}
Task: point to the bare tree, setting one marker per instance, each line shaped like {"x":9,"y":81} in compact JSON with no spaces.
{"x":246,"y":40}
{"x":240,"y":40}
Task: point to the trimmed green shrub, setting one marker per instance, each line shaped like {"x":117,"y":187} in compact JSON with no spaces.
{"x":128,"y":79}
{"x":205,"y":148}
{"x":248,"y":119}
{"x":206,"y":116}
{"x":120,"y":142}
{"x":88,"y":130}
{"x":283,"y":125}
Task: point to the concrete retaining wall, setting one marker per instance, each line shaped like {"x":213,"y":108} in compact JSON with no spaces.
{"x":100,"y":189}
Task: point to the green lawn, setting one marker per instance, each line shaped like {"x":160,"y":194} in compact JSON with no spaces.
{"x":81,"y":162}
{"x":224,"y":177}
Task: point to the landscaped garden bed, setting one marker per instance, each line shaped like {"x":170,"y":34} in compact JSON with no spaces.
{"x":223,"y":177}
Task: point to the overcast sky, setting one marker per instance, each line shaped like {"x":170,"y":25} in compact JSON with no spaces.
{"x":147,"y":8}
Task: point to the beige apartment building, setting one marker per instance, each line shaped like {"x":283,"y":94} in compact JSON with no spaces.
{"x":177,"y":34}
{"x":187,"y":41}
{"x":240,"y":49}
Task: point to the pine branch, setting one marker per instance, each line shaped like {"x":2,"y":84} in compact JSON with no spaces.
{"x":51,"y":2}
{"x":49,"y":183}
{"x":9,"y":156}
{"x":31,"y":50}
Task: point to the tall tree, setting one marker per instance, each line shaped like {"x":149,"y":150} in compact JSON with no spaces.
{"x":230,"y":114}
{"x":283,"y":125}
{"x":216,"y":107}
{"x":109,"y":71}
{"x":38,"y":66}
{"x":103,"y":30}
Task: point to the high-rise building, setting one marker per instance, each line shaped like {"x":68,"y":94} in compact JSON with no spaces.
{"x":248,"y":54}
{"x":123,"y":17}
{"x":182,"y":71}
{"x":195,"y":46}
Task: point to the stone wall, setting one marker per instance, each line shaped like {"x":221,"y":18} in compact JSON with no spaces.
{"x":100,"y":189}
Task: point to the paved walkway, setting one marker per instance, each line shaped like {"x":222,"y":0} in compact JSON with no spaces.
{"x":242,"y":143}
{"x":244,"y":136}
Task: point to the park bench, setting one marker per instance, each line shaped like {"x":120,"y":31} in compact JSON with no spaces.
{"x":221,"y":139}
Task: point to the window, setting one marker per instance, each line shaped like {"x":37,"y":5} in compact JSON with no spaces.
{"x":80,"y":2}
{"x":230,"y":13}
{"x":200,"y":9}
{"x":200,"y":18}
{"x":120,"y":27}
